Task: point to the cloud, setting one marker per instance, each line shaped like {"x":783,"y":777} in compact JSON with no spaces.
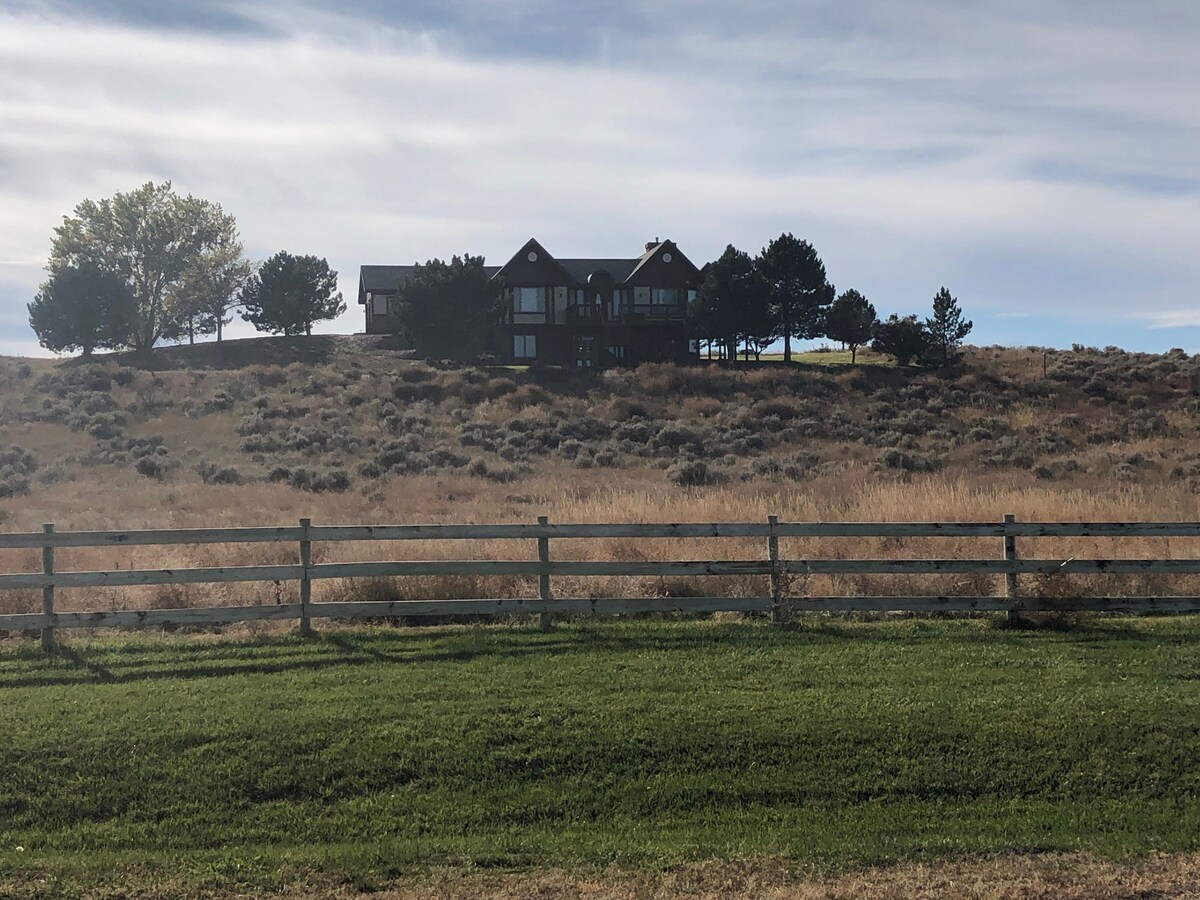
{"x":1174,"y":318}
{"x":1033,"y":157}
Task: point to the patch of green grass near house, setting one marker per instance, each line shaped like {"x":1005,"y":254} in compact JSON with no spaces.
{"x":833,"y":358}
{"x":371,"y":753}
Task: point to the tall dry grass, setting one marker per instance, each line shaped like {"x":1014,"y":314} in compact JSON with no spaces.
{"x":570,"y":495}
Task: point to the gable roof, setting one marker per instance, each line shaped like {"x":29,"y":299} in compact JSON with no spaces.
{"x":525,"y":257}
{"x":386,"y":279}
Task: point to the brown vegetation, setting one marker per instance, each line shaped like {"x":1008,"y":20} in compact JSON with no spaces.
{"x":1028,"y":877}
{"x":356,"y":434}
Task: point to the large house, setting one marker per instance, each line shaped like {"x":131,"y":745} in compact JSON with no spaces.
{"x":573,"y":312}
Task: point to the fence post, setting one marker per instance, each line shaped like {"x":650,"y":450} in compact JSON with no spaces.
{"x":544,"y":578}
{"x":1010,"y":578}
{"x":305,"y":581}
{"x":48,"y":590}
{"x":777,"y":615}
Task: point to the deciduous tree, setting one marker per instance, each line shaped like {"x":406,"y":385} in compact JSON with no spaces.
{"x":149,"y":238}
{"x":212,"y":285}
{"x":288,"y":294}
{"x":904,"y":339}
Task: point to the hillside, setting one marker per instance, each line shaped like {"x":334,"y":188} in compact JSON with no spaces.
{"x":342,"y":430}
{"x":342,"y":414}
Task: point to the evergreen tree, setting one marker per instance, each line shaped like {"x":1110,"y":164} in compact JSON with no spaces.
{"x":946,"y":328}
{"x":851,"y":320}
{"x":798,"y":289}
{"x":82,"y":308}
{"x":290,"y":293}
{"x":732,"y":305}
{"x":448,"y":310}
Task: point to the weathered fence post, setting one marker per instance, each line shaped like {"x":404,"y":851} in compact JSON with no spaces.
{"x":777,"y":613}
{"x":305,"y":581}
{"x":1010,"y":578}
{"x":48,"y":589}
{"x":544,"y":578}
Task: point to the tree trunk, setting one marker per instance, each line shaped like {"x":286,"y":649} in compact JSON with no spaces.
{"x":853,"y":353}
{"x":787,"y":345}
{"x":191,"y":332}
{"x":220,"y":325}
{"x":308,"y":329}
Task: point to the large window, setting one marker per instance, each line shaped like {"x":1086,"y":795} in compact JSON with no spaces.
{"x":664,"y":296}
{"x":529,"y":300}
{"x":379,"y":304}
{"x":524,"y":346}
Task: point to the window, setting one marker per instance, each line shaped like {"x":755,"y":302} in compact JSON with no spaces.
{"x":524,"y":346}
{"x":616,"y":352}
{"x":664,"y":296}
{"x":691,"y":295}
{"x":694,"y":346}
{"x":379,"y":304}
{"x":529,"y":300}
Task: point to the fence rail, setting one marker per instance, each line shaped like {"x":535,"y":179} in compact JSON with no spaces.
{"x":772,"y":564}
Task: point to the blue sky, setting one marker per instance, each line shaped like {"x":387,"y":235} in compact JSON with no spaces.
{"x":1039,"y":159}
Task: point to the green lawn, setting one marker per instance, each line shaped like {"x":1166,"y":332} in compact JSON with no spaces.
{"x":366,"y":754}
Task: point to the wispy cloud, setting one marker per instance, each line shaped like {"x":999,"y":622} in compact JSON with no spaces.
{"x":1034,"y":159}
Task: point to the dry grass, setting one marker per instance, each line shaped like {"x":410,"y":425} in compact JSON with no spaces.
{"x":1065,"y":453}
{"x":1019,"y":876}
{"x":638,"y":496}
{"x":1010,"y":877}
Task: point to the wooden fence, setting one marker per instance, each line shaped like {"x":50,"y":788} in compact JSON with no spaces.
{"x":779,"y":602}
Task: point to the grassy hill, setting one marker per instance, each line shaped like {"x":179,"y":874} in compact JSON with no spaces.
{"x":355,"y":759}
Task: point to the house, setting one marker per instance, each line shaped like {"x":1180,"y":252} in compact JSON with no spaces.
{"x":573,"y":312}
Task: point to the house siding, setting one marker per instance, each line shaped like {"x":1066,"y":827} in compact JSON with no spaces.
{"x":589,"y":307}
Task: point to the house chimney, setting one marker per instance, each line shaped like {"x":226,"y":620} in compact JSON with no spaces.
{"x":650,"y":245}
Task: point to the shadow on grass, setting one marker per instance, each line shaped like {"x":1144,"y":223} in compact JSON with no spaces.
{"x":176,"y":659}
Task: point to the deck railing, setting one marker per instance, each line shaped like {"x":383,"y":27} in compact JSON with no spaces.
{"x":778,"y":600}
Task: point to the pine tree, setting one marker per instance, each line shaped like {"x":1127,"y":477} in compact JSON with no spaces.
{"x":851,"y":320}
{"x":82,"y":308}
{"x":448,"y":309}
{"x":798,"y":289}
{"x":290,"y":293}
{"x":946,"y":328}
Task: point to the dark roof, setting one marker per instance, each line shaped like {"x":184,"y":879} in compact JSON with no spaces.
{"x":382,"y":278}
{"x":580,"y":269}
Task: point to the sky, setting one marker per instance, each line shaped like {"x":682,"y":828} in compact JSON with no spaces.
{"x":1039,"y":159}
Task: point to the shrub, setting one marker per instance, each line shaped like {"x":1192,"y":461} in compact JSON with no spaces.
{"x":901,"y":460}
{"x":691,"y":473}
{"x":211,"y":473}
{"x":152,"y":467}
